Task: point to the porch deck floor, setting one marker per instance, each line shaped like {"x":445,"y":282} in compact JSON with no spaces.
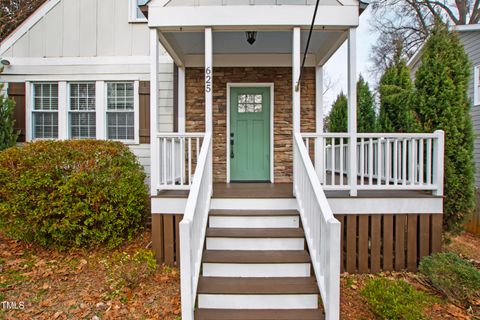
{"x":285,"y":190}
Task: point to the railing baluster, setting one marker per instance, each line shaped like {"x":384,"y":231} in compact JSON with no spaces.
{"x":420,"y":162}
{"x":429,"y":161}
{"x":412,"y":161}
{"x":165,"y":161}
{"x":173,"y":161}
{"x":379,"y":161}
{"x":388,"y":163}
{"x":362,"y":161}
{"x":182,"y":160}
{"x":395,"y":162}
{"x":370,"y":162}
{"x":341,"y":161}
{"x":404,"y":162}
{"x":333,"y":161}
{"x":324,"y":159}
{"x":189,"y":161}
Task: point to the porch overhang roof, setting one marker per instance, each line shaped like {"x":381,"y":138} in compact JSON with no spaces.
{"x":258,"y":17}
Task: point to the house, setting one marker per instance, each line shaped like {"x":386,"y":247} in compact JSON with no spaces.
{"x":259,"y":208}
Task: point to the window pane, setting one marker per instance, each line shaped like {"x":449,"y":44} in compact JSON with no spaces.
{"x":45,"y":96}
{"x":120,"y":96}
{"x":83,"y":125}
{"x":82,"y":96}
{"x":250,"y":103}
{"x":45,"y":125}
{"x":120,"y":125}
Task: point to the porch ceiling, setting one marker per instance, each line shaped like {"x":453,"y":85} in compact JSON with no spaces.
{"x":185,"y":45}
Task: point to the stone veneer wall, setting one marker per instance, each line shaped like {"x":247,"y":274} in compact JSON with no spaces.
{"x":282,"y":79}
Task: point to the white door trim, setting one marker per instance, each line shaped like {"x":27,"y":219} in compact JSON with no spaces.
{"x":272,"y":104}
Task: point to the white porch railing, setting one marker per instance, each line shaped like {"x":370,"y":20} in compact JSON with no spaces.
{"x":385,"y":161}
{"x":322,"y":230}
{"x":178,"y":157}
{"x":193,"y":226}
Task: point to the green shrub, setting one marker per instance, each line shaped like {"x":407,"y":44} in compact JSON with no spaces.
{"x":442,"y":102}
{"x":126,"y":270}
{"x":458,"y":279}
{"x":395,"y":299}
{"x":71,"y":193}
{"x":8,"y":136}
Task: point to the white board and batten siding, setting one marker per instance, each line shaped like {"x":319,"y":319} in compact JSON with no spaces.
{"x":471,"y":43}
{"x":90,"y":40}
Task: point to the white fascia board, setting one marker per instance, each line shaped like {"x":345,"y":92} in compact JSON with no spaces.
{"x":355,"y":205}
{"x":467,"y":27}
{"x":27,"y":25}
{"x":172,"y":18}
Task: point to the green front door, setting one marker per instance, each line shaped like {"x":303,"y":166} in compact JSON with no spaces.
{"x":250,"y":134}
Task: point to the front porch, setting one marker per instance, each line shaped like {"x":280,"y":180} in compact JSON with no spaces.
{"x":344,"y":201}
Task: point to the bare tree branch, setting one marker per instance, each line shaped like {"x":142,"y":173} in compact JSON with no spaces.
{"x":14,"y":12}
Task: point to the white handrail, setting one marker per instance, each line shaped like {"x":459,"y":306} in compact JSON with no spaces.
{"x":322,"y":230}
{"x":193,"y":228}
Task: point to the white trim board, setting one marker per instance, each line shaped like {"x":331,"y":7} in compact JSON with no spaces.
{"x":272,"y":122}
{"x":73,"y":61}
{"x":355,"y":205}
{"x":27,"y":25}
{"x":250,"y":16}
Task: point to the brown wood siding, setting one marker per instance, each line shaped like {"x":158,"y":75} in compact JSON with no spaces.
{"x":166,"y":238}
{"x":388,"y":242}
{"x":144,"y":92}
{"x":16,"y":91}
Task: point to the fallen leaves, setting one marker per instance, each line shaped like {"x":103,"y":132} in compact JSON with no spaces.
{"x":65,"y":285}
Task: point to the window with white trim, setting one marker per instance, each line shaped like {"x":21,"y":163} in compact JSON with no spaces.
{"x":120,"y":111}
{"x":81,"y":114}
{"x":136,"y":14}
{"x":45,"y":111}
{"x":476,"y":86}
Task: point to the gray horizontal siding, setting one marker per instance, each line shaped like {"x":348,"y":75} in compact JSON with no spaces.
{"x":471,"y":43}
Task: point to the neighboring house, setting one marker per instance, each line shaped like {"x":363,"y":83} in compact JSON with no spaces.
{"x":271,"y":208}
{"x":470,"y":37}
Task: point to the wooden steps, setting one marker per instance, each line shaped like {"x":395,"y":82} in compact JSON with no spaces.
{"x":223,"y":314}
{"x":229,"y":256}
{"x":255,"y":233}
{"x":256,"y":267}
{"x":224,"y":285}
{"x":253,"y":213}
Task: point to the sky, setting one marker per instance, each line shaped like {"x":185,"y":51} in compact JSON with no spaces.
{"x":336,"y":68}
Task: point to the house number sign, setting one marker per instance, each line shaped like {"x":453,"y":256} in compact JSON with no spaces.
{"x":208,"y":79}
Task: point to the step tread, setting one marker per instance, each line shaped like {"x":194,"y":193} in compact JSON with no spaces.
{"x":253,"y":213}
{"x":223,"y":314}
{"x":230,"y":285}
{"x":245,"y":256}
{"x":255,"y":233}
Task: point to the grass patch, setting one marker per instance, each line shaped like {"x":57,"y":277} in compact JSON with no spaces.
{"x":453,"y":276}
{"x":395,"y":299}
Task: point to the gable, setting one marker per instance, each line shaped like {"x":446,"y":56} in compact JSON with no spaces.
{"x":72,"y":28}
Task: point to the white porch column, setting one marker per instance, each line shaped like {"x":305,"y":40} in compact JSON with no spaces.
{"x":295,"y":80}
{"x":208,"y":79}
{"x":352,"y":110}
{"x":154,"y":152}
{"x":181,"y":99}
{"x":319,"y":121}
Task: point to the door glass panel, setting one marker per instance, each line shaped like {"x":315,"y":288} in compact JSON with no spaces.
{"x":249,"y":103}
